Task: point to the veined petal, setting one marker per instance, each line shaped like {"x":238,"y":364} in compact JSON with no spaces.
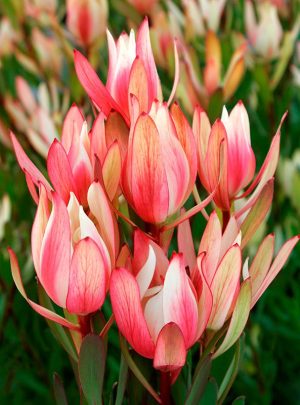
{"x":100,"y":208}
{"x":56,"y":253}
{"x":186,"y":244}
{"x":216,"y":162}
{"x":60,"y":172}
{"x":93,"y":86}
{"x":205,"y":301}
{"x":27,"y":165}
{"x":97,"y":139}
{"x":87,"y":284}
{"x":126,"y":304}
{"x":179,"y":302}
{"x":138,"y":84}
{"x":211,"y":245}
{"x":175,"y":161}
{"x":224,"y":286}
{"x":72,"y":122}
{"x":144,"y":51}
{"x":150,"y":194}
{"x":111,"y":170}
{"x":170,"y":351}
{"x":89,"y":230}
{"x":201,"y":129}
{"x":186,"y":138}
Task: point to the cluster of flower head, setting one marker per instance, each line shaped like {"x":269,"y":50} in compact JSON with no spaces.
{"x":141,"y":157}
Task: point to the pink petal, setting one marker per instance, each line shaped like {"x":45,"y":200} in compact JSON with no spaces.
{"x":216,"y":161}
{"x":72,"y":122}
{"x":144,"y":51}
{"x":179,"y":300}
{"x":27,"y":165}
{"x":186,"y":138}
{"x":101,"y":210}
{"x":138,"y":84}
{"x":56,"y":253}
{"x":201,"y":129}
{"x":170,"y":351}
{"x":111,"y":170}
{"x":211,"y":244}
{"x":87,"y":285}
{"x":126,"y":304}
{"x":205,"y":301}
{"x":98,"y":140}
{"x":93,"y":85}
{"x":39,"y":228}
{"x":175,"y":161}
{"x":60,"y":172}
{"x":149,"y":185}
{"x":186,"y":244}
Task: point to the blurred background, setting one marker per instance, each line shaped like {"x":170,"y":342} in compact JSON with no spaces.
{"x":229,"y":50}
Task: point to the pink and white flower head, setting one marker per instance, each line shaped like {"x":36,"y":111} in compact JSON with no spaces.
{"x":203,"y":15}
{"x":266,"y":42}
{"x":81,"y":157}
{"x":156,"y":307}
{"x":131,"y":70}
{"x":224,"y":148}
{"x":87,"y":19}
{"x":160,"y":166}
{"x":70,"y":257}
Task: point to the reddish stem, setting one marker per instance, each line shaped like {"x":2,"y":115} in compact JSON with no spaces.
{"x":165,"y":388}
{"x":226,"y":218}
{"x":85,"y":325}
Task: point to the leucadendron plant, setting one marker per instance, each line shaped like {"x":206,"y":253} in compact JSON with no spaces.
{"x":111,"y":230}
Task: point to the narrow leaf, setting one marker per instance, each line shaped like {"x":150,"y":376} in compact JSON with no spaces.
{"x":136,"y":371}
{"x":200,"y":381}
{"x":122,"y":381}
{"x":91,"y":368}
{"x":59,"y":391}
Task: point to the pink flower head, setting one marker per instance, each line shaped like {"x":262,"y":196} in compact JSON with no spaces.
{"x":160,"y":166}
{"x":265,"y":42}
{"x":131,"y":70}
{"x":156,"y":308}
{"x":71,"y":259}
{"x":86,"y":19}
{"x":225,"y":157}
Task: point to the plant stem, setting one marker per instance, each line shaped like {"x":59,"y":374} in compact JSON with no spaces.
{"x":226,"y":218}
{"x":85,"y":325}
{"x":165,"y":388}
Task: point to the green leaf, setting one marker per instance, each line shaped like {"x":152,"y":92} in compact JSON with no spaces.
{"x":199,"y":383}
{"x":239,"y":400}
{"x":59,"y":391}
{"x":136,"y":371}
{"x":210,"y":394}
{"x":215,"y":105}
{"x":91,"y":367}
{"x":230,"y":374}
{"x":122,"y":381}
{"x":238,"y":320}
